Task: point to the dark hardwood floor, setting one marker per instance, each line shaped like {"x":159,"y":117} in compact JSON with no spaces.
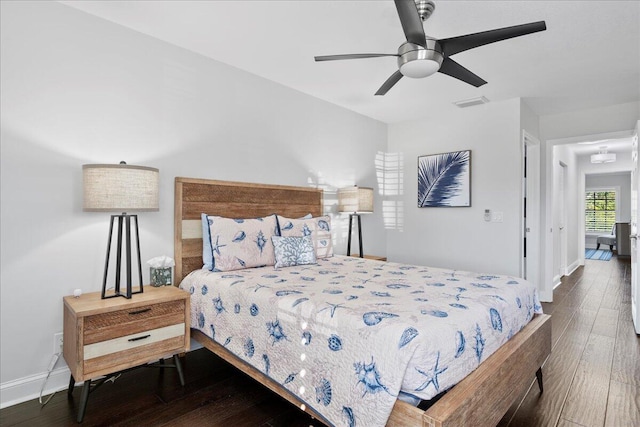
{"x":592,"y":377}
{"x":215,"y":394}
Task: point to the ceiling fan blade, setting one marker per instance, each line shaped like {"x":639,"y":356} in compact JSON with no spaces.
{"x":352,"y":56}
{"x":455,"y":70}
{"x":454,"y":45}
{"x":411,"y":22}
{"x":392,"y":80}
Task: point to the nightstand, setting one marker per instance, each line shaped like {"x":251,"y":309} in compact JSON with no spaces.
{"x":374,"y":257}
{"x":105,"y":336}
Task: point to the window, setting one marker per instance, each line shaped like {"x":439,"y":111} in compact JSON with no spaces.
{"x":600,"y":211}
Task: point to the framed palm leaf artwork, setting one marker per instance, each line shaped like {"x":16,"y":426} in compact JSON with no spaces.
{"x":444,"y":179}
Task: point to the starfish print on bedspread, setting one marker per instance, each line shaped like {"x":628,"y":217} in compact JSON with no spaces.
{"x":332,"y":307}
{"x":432,"y":375}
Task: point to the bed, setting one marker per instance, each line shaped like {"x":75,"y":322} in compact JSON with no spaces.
{"x":481,"y":398}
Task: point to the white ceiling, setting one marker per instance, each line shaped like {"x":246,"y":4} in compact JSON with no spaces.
{"x":588,"y":57}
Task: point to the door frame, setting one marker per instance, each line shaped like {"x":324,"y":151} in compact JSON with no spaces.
{"x":530,"y":265}
{"x":561,"y":225}
{"x":559,"y":220}
{"x":635,"y":213}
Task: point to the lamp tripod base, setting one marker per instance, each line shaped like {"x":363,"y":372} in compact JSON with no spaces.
{"x":359,"y":234}
{"x":123,"y":231}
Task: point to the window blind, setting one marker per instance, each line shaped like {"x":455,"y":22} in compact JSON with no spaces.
{"x":600,"y":212}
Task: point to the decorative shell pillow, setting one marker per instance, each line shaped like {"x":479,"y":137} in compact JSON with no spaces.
{"x":319,"y":228}
{"x":242,"y":243}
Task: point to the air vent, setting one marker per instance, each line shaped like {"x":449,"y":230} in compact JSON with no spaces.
{"x":471,"y":102}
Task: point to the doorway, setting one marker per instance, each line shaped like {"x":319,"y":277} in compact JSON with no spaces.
{"x":563,"y":249}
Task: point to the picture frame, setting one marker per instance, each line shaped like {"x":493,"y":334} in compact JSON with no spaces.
{"x":444,"y":180}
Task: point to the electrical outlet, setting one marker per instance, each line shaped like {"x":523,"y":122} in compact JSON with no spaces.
{"x":57,"y":343}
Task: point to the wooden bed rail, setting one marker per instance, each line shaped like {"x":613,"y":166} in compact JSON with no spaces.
{"x":505,"y":374}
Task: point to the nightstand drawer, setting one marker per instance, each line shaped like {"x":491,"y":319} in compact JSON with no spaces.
{"x":109,"y":326}
{"x":131,"y":341}
{"x":134,"y":356}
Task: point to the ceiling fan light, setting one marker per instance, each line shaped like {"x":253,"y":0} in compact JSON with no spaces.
{"x":416,"y":61}
{"x":419,"y":68}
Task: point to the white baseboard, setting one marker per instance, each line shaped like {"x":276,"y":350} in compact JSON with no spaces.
{"x":557,"y":279}
{"x":27,"y":388}
{"x":573,"y":267}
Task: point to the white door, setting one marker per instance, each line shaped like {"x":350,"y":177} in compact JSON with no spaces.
{"x":531,"y":208}
{"x":635,"y":207}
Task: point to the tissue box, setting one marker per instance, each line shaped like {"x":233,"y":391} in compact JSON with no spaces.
{"x":160,"y":276}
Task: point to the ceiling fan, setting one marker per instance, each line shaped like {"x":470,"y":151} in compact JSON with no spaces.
{"x":421,"y":56}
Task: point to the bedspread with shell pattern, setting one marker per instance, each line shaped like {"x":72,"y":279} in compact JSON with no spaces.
{"x":347,"y":335}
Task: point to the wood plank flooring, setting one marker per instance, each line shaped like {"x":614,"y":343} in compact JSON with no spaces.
{"x":592,"y":377}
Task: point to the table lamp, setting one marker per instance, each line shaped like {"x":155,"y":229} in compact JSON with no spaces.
{"x":121,"y":188}
{"x":355,"y":200}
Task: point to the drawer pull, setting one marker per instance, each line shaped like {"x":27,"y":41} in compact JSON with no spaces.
{"x":144,"y":310}
{"x":138,"y":338}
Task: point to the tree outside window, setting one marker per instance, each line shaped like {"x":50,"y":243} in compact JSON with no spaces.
{"x":600,"y":211}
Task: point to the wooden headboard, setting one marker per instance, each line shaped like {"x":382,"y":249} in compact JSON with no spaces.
{"x":233,"y":200}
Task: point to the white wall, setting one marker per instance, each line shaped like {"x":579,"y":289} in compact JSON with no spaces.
{"x":459,"y":237}
{"x":529,"y":121}
{"x":76,"y":89}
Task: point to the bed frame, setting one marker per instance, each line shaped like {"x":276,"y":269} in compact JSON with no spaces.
{"x":481,"y":399}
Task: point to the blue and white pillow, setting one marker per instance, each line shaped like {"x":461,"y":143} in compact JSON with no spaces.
{"x":319,"y":228}
{"x":241,"y":243}
{"x":291,"y":251}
